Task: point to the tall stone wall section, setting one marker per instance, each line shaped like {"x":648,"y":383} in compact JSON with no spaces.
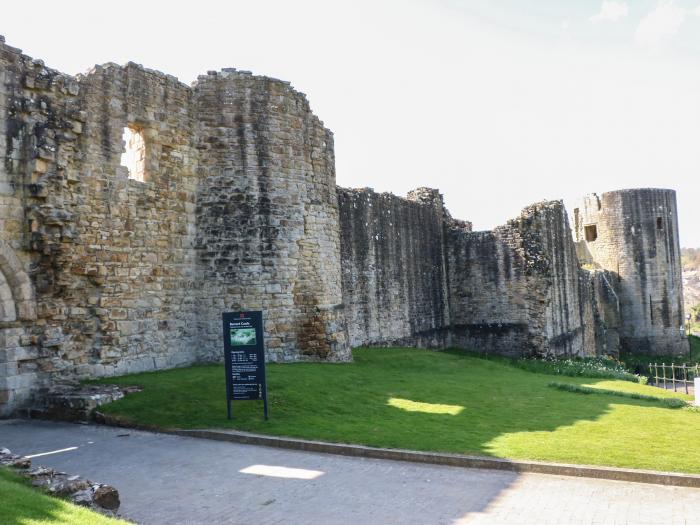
{"x":413,"y":275}
{"x":18,"y":350}
{"x":267,"y":217}
{"x":517,"y":289}
{"x":393,"y":268}
{"x":130,"y":266}
{"x":633,"y":234}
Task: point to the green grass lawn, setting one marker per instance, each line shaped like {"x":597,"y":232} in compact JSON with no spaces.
{"x":24,"y":505}
{"x":439,"y":401}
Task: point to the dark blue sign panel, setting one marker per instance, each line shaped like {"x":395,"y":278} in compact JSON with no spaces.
{"x":244,"y":355}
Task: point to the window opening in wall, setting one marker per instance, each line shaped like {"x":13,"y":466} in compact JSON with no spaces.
{"x":134,"y":156}
{"x":659,"y":223}
{"x":591,"y":232}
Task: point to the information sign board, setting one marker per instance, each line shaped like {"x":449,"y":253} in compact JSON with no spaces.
{"x":244,"y":356}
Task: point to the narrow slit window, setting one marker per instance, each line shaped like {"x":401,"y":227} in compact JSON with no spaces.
{"x":134,"y":156}
{"x":659,"y":223}
{"x":591,"y":232}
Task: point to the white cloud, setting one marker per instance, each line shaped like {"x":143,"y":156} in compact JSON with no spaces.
{"x":611,"y":11}
{"x":660,"y":25}
{"x":696,"y":11}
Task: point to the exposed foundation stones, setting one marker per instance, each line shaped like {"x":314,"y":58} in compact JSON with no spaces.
{"x":98,"y":496}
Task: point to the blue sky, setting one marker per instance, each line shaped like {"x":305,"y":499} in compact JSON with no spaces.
{"x":497,"y":103}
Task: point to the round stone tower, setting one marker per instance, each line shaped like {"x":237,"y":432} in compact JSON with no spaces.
{"x":634,"y":235}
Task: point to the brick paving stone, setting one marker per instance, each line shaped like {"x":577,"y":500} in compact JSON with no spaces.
{"x":172,"y":480}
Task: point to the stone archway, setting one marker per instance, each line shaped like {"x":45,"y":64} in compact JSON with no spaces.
{"x":17,"y":302}
{"x":8,"y":310}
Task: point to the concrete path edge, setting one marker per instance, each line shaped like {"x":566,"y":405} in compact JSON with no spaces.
{"x":676,"y":479}
{"x":454,"y":460}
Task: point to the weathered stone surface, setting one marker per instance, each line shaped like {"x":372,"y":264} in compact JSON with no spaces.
{"x":75,"y":402}
{"x":102,"y":274}
{"x":267,"y":217}
{"x":413,"y":275}
{"x":106,"y":497}
{"x":393,"y":267}
{"x":516,"y":290}
{"x":65,"y":486}
{"x":11,"y":460}
{"x":82,"y":497}
{"x":633,"y":235}
{"x":231,"y":203}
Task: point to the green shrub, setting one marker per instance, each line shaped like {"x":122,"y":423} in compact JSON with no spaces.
{"x":599,"y":367}
{"x":694,"y":341}
{"x":639,"y":363}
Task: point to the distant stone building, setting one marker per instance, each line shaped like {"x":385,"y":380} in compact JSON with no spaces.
{"x":135,"y":209}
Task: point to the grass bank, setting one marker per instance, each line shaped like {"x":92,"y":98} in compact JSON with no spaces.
{"x":25,"y":505}
{"x":441,"y":401}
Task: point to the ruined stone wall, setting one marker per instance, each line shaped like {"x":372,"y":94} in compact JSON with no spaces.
{"x":30,"y":137}
{"x":393,"y":268}
{"x":233,"y":205}
{"x":130,"y":267}
{"x":606,"y":310}
{"x":634,"y":235}
{"x":268,"y":217}
{"x":413,"y":275}
{"x":517,"y":290}
{"x":110,"y":258}
{"x":103,"y":274}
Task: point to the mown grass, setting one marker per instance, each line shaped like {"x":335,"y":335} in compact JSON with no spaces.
{"x":21,"y":504}
{"x":439,"y":401}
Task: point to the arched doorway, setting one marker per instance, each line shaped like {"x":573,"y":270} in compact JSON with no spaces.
{"x":15,"y":287}
{"x":17,"y":310}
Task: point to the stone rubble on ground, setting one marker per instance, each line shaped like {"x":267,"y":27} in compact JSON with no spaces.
{"x":100,"y":497}
{"x":71,"y":401}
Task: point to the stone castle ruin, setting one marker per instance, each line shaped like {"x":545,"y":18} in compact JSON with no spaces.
{"x":135,"y":209}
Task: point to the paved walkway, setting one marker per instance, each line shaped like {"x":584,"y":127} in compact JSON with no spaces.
{"x":176,"y":480}
{"x":680,"y":388}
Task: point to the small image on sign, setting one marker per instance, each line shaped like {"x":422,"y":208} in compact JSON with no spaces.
{"x":242,"y":336}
